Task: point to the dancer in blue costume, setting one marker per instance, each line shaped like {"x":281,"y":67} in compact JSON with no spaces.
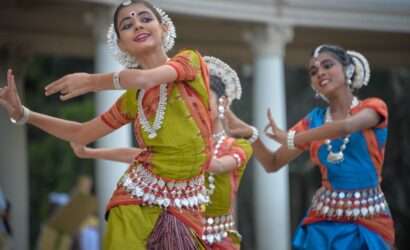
{"x":346,"y":140}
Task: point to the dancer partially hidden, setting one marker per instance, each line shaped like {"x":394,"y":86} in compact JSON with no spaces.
{"x":230,"y":157}
{"x":347,"y":141}
{"x":157,"y":202}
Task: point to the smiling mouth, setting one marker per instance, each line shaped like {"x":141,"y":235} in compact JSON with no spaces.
{"x":141,"y":37}
{"x":324,"y":83}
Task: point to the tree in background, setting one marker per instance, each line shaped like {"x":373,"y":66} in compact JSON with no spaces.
{"x":52,"y":165}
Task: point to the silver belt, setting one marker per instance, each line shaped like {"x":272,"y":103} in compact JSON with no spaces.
{"x":154,"y":190}
{"x":216,"y":228}
{"x":350,"y":204}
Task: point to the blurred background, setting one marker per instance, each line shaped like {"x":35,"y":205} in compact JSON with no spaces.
{"x":268,"y":42}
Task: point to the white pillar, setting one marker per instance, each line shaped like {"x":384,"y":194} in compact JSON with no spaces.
{"x":107,"y":172}
{"x":13,"y":159}
{"x":271,"y":190}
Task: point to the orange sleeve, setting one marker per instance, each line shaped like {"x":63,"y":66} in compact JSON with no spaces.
{"x":116,"y":117}
{"x":182,"y":63}
{"x":300,"y":126}
{"x":380,"y":107}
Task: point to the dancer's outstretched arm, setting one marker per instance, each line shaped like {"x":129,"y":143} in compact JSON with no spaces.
{"x":223,"y":164}
{"x":126,"y":155}
{"x":366,"y":118}
{"x":82,"y":133}
{"x":271,"y":160}
{"x":77,"y":84}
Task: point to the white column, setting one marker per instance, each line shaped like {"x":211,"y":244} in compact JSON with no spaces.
{"x":107,"y":172}
{"x":13,"y":159}
{"x":271,"y":190}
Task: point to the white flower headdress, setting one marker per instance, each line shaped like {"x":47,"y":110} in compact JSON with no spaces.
{"x":229,"y":77}
{"x":126,"y":59}
{"x":361,"y":70}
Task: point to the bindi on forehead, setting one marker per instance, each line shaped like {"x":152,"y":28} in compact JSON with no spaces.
{"x":322,"y":58}
{"x":134,"y":10}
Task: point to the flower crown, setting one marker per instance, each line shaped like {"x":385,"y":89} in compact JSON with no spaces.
{"x":361,"y":70}
{"x":229,"y":77}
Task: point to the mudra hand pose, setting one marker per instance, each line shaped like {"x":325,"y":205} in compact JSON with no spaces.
{"x":157,"y":202}
{"x":347,"y":141}
{"x":230,"y":157}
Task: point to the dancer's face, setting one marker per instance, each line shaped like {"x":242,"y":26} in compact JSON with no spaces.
{"x":326,"y":74}
{"x":139,"y":30}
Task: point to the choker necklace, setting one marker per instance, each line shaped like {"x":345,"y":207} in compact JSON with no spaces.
{"x":151,"y":130}
{"x":337,"y":157}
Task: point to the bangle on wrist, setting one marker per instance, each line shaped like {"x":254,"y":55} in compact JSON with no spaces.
{"x":255,"y":135}
{"x":291,"y":139}
{"x":24,"y":117}
{"x":116,"y":80}
{"x":238,"y":160}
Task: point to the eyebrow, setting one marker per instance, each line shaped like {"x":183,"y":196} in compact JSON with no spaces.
{"x":312,"y":67}
{"x":128,"y":17}
{"x":321,"y":63}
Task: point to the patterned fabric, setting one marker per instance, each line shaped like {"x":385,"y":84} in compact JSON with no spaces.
{"x":226,"y":188}
{"x":360,"y":170}
{"x":181,"y":151}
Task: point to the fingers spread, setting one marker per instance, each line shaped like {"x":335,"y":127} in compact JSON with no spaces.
{"x":7,"y":106}
{"x":270,"y":116}
{"x":3,"y":91}
{"x":272,"y":136}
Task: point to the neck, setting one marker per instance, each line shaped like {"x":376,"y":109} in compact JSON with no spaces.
{"x":340,"y":104}
{"x":152,"y":59}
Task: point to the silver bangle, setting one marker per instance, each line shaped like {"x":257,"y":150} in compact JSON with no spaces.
{"x":238,"y":160}
{"x":255,"y":135}
{"x":116,"y":80}
{"x":291,"y":139}
{"x":24,"y":118}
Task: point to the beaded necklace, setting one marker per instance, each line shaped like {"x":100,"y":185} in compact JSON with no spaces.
{"x":151,"y":130}
{"x":337,"y":157}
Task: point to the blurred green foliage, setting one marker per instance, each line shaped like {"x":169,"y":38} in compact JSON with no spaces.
{"x":52,"y":165}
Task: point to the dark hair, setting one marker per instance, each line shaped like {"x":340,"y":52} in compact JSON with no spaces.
{"x":121,"y":6}
{"x":217,"y":86}
{"x":339,"y":53}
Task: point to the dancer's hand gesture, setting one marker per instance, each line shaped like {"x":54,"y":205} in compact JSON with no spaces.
{"x":276,"y":133}
{"x":71,"y":85}
{"x":10,"y":99}
{"x":79,"y":150}
{"x":234,"y":126}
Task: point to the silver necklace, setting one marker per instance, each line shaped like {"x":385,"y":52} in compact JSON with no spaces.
{"x":337,"y":157}
{"x":151,"y":130}
{"x":219,"y":138}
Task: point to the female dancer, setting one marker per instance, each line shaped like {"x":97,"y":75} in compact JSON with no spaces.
{"x":157,"y":202}
{"x":346,"y":140}
{"x":229,"y":160}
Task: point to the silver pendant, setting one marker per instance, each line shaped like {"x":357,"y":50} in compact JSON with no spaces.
{"x":152,"y":135}
{"x":335,"y":158}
